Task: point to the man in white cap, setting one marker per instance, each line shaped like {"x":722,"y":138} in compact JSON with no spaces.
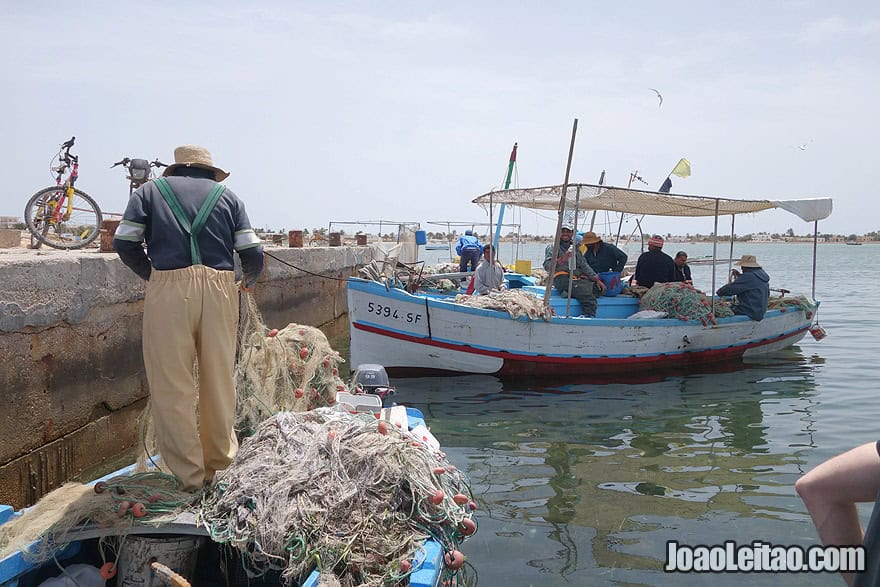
{"x":191,"y":224}
{"x":586,"y":283}
{"x":654,"y":266}
{"x":752,"y":289}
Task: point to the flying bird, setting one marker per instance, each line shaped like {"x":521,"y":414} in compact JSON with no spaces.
{"x":659,"y":95}
{"x":804,"y":146}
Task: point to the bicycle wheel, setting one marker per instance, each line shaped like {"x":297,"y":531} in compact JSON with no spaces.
{"x":67,"y":230}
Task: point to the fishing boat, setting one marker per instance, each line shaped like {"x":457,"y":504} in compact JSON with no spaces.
{"x":413,"y":333}
{"x":182,"y":546}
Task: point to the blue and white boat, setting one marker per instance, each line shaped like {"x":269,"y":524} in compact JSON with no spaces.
{"x":422,"y":333}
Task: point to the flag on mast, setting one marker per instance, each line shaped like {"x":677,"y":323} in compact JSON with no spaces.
{"x":667,"y":185}
{"x":682,"y":168}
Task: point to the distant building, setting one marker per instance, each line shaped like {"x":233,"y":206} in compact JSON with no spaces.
{"x":762,"y":237}
{"x":9,"y":221}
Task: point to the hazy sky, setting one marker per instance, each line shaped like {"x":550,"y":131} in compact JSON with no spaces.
{"x":343,"y":111}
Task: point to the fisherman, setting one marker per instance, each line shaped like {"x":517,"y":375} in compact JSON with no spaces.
{"x":585,"y":284}
{"x":682,"y":269}
{"x":489,"y":275}
{"x":469,"y":249}
{"x":654,"y":266}
{"x":191,"y":224}
{"x":602,"y":256}
{"x":751,"y":288}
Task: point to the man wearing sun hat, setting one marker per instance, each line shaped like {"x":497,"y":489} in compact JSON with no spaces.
{"x":752,"y":289}
{"x":654,"y":266}
{"x":191,"y":224}
{"x":585,"y":284}
{"x":602,"y":256}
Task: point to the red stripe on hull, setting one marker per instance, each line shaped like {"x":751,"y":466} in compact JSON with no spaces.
{"x":518,"y":364}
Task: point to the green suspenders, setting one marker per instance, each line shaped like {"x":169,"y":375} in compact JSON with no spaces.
{"x":200,"y":220}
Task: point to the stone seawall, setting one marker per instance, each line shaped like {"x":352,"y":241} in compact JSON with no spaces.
{"x":71,"y":370}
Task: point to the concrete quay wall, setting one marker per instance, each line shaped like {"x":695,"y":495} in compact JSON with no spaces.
{"x":71,"y":369}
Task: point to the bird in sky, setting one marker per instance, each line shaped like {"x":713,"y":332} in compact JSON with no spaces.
{"x":803,"y":147}
{"x":659,"y":95}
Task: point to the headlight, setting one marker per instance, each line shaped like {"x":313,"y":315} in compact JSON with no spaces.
{"x":139,"y":169}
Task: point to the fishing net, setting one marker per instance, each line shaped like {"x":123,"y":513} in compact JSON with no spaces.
{"x":293,"y":369}
{"x":797,"y":303}
{"x":113,"y":505}
{"x":515,"y":302}
{"x":680,"y":300}
{"x":350,"y":494}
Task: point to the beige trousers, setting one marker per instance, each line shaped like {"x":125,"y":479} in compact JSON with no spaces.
{"x":192,"y":313}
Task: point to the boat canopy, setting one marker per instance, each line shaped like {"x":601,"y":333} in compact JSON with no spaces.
{"x":631,"y":201}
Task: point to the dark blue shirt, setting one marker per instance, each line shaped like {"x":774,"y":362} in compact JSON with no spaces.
{"x":654,"y":267}
{"x":752,"y":291}
{"x":148,"y":218}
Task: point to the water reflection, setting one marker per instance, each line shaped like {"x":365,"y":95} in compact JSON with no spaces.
{"x":581,"y":481}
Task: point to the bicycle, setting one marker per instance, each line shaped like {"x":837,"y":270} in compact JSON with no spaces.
{"x":63,"y":216}
{"x":140,"y":171}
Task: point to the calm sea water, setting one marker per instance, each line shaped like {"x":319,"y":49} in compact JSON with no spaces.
{"x":582,"y":481}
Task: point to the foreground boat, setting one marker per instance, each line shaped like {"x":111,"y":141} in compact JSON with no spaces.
{"x":85,"y":551}
{"x":420,"y":333}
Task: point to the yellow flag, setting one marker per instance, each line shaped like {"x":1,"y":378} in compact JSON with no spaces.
{"x":682,"y":168}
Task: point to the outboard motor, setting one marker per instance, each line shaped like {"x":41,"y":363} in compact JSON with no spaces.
{"x":372,"y":378}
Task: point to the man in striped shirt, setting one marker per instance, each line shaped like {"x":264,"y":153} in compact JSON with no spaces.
{"x":191,"y":225}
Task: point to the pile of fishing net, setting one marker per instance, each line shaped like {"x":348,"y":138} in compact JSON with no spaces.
{"x":354,"y":495}
{"x":681,"y":300}
{"x":515,"y":302}
{"x":293,"y":369}
{"x":114,"y":505}
{"x":796,"y":302}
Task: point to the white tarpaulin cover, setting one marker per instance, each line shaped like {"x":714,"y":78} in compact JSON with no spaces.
{"x":630,"y":201}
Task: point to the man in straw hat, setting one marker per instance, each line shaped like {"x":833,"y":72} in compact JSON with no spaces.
{"x":602,"y":256}
{"x":585,"y":285}
{"x":752,"y":289}
{"x":191,"y":224}
{"x":654,"y":266}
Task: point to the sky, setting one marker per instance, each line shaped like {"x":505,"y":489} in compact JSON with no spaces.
{"x":406,"y":111}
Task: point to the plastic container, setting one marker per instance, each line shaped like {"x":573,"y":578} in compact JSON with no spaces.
{"x":77,"y":575}
{"x":421,"y":237}
{"x":523,"y":266}
{"x":611,"y":279}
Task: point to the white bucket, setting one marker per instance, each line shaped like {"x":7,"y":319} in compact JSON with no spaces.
{"x":177,"y":552}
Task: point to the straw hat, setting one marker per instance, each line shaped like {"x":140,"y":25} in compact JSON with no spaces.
{"x":590,"y":238}
{"x":195,"y":156}
{"x":655,"y":241}
{"x":748,"y":261}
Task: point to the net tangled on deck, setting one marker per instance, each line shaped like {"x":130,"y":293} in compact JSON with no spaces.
{"x":293,"y":369}
{"x":681,"y":300}
{"x":515,"y":302}
{"x":796,"y":302}
{"x":350,"y":494}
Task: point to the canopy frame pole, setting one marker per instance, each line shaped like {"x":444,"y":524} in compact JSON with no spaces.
{"x":620,"y":224}
{"x":715,"y":253}
{"x":815,"y":240}
{"x":573,"y":248}
{"x":561,"y":211}
{"x":732,"y":234}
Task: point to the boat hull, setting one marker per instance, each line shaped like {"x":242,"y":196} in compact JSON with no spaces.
{"x":414,"y":334}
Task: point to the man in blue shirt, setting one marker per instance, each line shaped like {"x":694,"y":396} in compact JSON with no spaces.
{"x":470,"y":250}
{"x":191,"y":224}
{"x":752,"y":289}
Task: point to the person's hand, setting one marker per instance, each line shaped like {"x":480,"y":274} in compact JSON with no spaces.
{"x":565,"y":256}
{"x":245,"y":288}
{"x":601,"y":285}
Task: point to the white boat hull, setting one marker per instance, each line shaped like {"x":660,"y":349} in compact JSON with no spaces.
{"x":413,"y":334}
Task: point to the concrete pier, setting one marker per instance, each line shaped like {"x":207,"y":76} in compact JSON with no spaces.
{"x":71,"y":370}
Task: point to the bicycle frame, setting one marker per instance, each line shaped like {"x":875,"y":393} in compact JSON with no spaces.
{"x":66,"y":162}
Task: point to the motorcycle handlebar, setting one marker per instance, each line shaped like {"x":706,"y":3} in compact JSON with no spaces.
{"x":68,"y":144}
{"x":124,"y":162}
